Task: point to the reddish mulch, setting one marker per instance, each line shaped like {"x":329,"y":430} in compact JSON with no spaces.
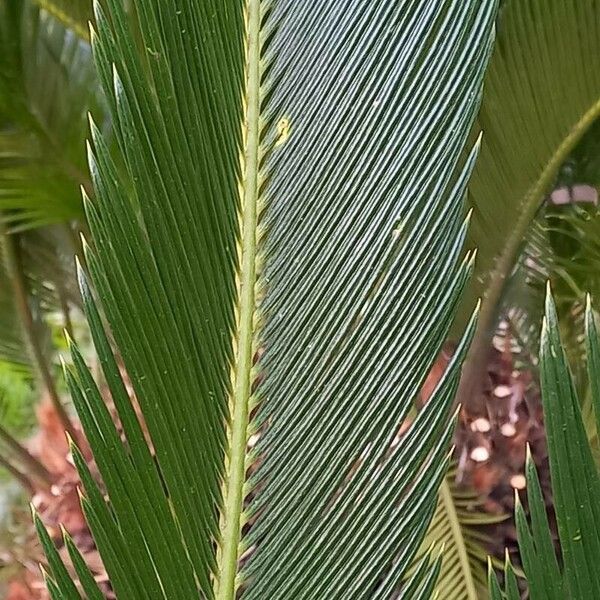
{"x":491,"y":440}
{"x":57,"y":505}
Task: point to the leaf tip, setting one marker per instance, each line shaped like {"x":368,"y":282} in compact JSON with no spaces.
{"x":550,"y":309}
{"x":117,"y":82}
{"x":64,"y":533}
{"x":63,"y":364}
{"x":528,"y":455}
{"x":91,"y":32}
{"x":468,"y":220}
{"x":71,"y":443}
{"x":518,"y":505}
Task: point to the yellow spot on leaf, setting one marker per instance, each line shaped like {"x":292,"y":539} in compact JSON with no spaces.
{"x":283,"y":131}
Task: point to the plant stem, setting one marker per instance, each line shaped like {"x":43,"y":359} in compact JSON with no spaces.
{"x":20,"y":477}
{"x":477,"y":358}
{"x":17,"y":275}
{"x":235,"y":477}
{"x":26,"y":458}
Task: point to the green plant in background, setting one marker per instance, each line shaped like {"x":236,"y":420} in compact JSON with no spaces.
{"x":457,"y":524}
{"x":270,"y":299}
{"x":542,"y":94}
{"x":17,"y":400}
{"x":47,"y":84}
{"x":537,"y":120}
{"x":74,"y":14}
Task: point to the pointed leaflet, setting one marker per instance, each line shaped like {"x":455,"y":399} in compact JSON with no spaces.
{"x":593,"y":359}
{"x":493,"y":586}
{"x":575,"y":481}
{"x":61,"y":575}
{"x":350,"y":119}
{"x":535,"y":541}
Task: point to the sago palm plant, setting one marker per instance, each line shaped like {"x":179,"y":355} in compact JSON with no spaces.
{"x":278,"y":251}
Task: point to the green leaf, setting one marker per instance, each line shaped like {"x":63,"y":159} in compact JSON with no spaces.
{"x":493,"y":585}
{"x":61,"y":576}
{"x":74,"y":14}
{"x":575,"y":480}
{"x":47,"y":85}
{"x":535,"y":542}
{"x":279,"y":265}
{"x":510,"y":581}
{"x":455,"y":522}
{"x":88,"y":583}
{"x":576,"y":485}
{"x":538,"y":103}
{"x":593,"y":359}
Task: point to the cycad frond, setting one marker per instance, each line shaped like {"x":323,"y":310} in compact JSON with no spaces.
{"x":537,"y":105}
{"x":47,"y":85}
{"x":575,"y":480}
{"x":455,"y":525}
{"x":279,"y":263}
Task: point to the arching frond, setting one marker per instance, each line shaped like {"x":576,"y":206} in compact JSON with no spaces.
{"x":279,"y":263}
{"x":538,"y":103}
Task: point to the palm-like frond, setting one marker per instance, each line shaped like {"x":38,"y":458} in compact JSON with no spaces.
{"x":538,"y":104}
{"x":272,"y":298}
{"x":49,"y":286}
{"x":575,"y":480}
{"x":47,"y":85}
{"x":74,"y":14}
{"x":455,"y":524}
{"x":17,"y":400}
{"x":562,"y":247}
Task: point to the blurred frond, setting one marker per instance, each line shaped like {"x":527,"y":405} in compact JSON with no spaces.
{"x":74,"y":14}
{"x":47,"y":86}
{"x":537,"y":106}
{"x":455,"y":525}
{"x":17,"y":400}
